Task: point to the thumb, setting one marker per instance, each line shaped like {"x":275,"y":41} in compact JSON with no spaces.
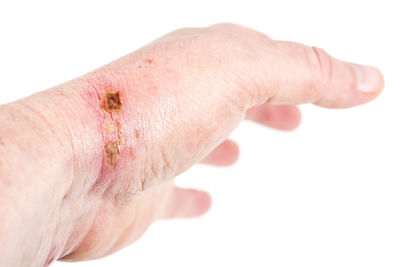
{"x":297,"y":74}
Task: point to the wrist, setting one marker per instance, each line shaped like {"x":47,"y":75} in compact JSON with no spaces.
{"x":31,"y":187}
{"x":48,"y":163}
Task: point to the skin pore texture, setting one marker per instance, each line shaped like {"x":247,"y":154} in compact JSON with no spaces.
{"x":88,"y":165}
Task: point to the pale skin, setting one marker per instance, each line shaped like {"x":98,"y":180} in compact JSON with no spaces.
{"x":87,"y":166}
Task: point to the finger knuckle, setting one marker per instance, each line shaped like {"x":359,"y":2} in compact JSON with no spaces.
{"x":225,"y":26}
{"x":321,"y":65}
{"x":183,"y":31}
{"x":240,"y":30}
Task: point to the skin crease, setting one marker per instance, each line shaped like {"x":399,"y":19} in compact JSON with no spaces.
{"x":180,"y":98}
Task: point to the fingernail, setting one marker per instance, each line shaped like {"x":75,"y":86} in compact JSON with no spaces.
{"x":369,"y":79}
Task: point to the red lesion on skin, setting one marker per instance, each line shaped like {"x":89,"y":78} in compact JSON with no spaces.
{"x":112,"y":151}
{"x":108,"y":103}
{"x":111,"y":103}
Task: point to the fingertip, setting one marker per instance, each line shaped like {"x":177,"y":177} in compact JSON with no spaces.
{"x":196,"y":202}
{"x":203,"y":203}
{"x":281,"y":117}
{"x":225,"y":154}
{"x":290,"y":117}
{"x":370,"y":80}
{"x":187,"y":203}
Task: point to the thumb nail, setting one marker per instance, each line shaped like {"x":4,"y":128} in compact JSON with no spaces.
{"x":369,"y":79}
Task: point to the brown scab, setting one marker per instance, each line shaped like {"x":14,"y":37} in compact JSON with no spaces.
{"x":148,"y":61}
{"x":112,"y":101}
{"x":112,"y":151}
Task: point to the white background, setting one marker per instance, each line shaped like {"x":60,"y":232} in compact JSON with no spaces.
{"x":327,"y":194}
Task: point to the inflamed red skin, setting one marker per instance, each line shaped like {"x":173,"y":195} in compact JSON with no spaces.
{"x":87,"y":166}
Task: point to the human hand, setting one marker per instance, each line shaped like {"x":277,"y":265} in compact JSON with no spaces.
{"x":99,"y":153}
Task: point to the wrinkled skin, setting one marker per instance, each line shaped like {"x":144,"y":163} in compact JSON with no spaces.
{"x":66,"y":193}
